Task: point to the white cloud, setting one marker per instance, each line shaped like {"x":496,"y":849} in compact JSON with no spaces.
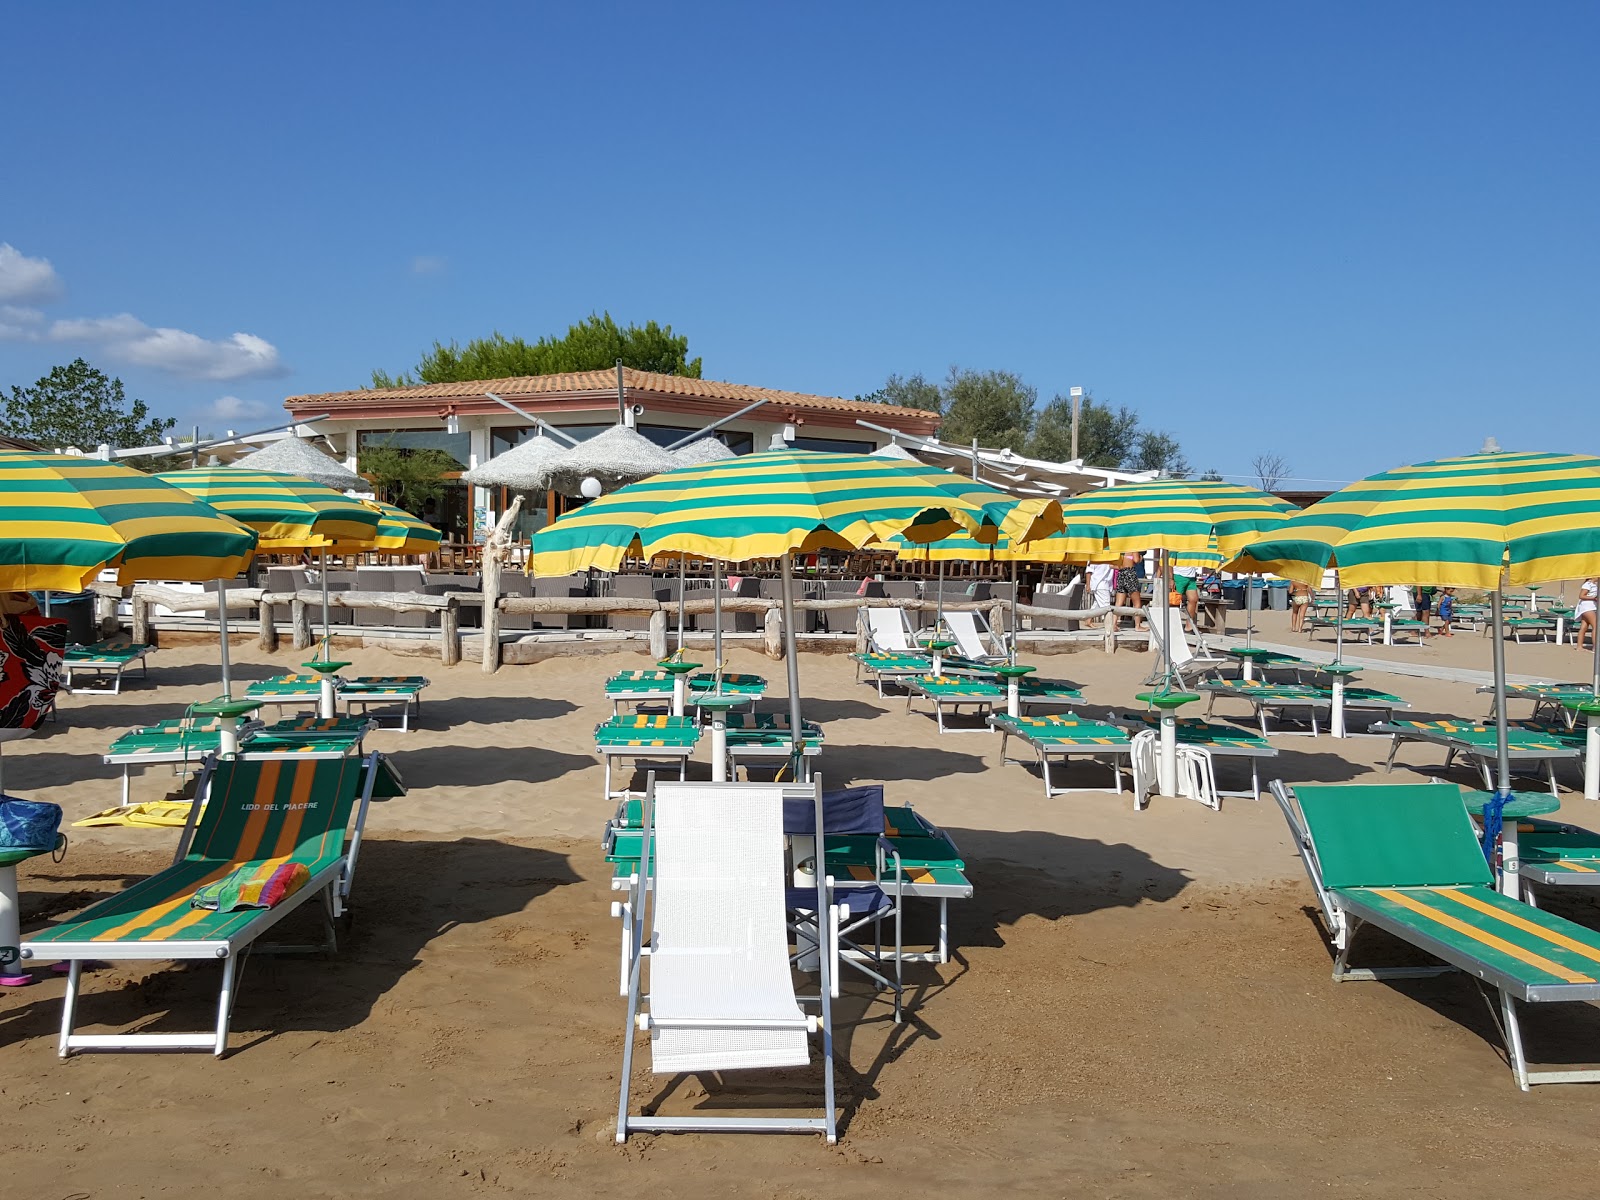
{"x":229,"y":408}
{"x":127,"y":339}
{"x":27,"y":280}
{"x":20,"y":324}
{"x":429,"y":264}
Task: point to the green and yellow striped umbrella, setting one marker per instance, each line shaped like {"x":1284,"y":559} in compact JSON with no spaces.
{"x":288,"y":512}
{"x":398,"y":532}
{"x":64,"y":519}
{"x":771,"y":504}
{"x":1182,"y":515}
{"x":1455,"y":522}
{"x":1078,"y":541}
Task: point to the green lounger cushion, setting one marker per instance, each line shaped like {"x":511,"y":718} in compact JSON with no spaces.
{"x":888,"y":660}
{"x":1062,"y":729}
{"x":196,"y":743}
{"x":1029,"y":688}
{"x":647,"y":730}
{"x":1200,"y":732}
{"x":952,"y":687}
{"x":106,"y":652}
{"x":1392,"y":835}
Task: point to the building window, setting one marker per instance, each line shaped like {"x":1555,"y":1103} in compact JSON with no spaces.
{"x":457,"y":445}
{"x":834,"y":445}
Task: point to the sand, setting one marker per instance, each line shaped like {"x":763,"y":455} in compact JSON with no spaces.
{"x":1139,"y":1004}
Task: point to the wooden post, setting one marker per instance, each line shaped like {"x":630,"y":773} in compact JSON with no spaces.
{"x":450,"y":633}
{"x":300,"y":615}
{"x":863,"y":638}
{"x":1111,"y":630}
{"x":495,"y":547}
{"x":269,"y":631}
{"x":997,"y":618}
{"x":141,"y":619}
{"x":658,"y":634}
{"x":772,"y":633}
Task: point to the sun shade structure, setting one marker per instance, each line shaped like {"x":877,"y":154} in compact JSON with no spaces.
{"x":705,"y":450}
{"x":1470,"y":521}
{"x":1178,"y":514}
{"x":291,"y":456}
{"x":401,"y":533}
{"x":1455,"y":522}
{"x":616,"y":457}
{"x":520,"y":468}
{"x":287,"y":512}
{"x":65,"y":519}
{"x":770,"y":504}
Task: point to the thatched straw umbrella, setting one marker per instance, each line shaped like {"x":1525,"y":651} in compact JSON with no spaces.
{"x":291,"y":456}
{"x":705,"y":450}
{"x":895,"y":450}
{"x":520,"y":468}
{"x":618,"y":456}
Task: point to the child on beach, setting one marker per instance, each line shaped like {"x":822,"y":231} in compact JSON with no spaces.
{"x":1447,"y":611}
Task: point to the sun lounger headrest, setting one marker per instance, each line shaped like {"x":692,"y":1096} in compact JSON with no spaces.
{"x":849,"y":810}
{"x":1392,"y":835}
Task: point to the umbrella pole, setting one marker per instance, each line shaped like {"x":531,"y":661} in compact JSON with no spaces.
{"x":327,"y":623}
{"x":1013,"y":612}
{"x":791,"y":654}
{"x":222,"y":631}
{"x":1338,"y":618}
{"x":1595,"y":688}
{"x":682,"y":559}
{"x":716,"y":615}
{"x":1249,"y":609}
{"x":1492,"y":812}
{"x":1167,"y":613}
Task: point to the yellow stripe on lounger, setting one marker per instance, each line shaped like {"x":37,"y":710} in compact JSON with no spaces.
{"x":1478,"y":935}
{"x":1549,"y":935}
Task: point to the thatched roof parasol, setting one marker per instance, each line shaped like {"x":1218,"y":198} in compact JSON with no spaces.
{"x":520,"y":468}
{"x":895,"y":450}
{"x":291,"y":456}
{"x":615,"y":457}
{"x":704,"y":450}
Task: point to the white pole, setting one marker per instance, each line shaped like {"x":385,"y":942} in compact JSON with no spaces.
{"x":682,"y":559}
{"x":222,"y":631}
{"x":11,"y":972}
{"x":716,"y":615}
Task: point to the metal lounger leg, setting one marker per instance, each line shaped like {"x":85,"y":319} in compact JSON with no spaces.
{"x":944,"y":929}
{"x":225,"y":1003}
{"x":1512,"y":1031}
{"x":69,"y":1006}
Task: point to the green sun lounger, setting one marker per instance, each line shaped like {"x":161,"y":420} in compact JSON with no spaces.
{"x":363,"y":691}
{"x":1062,"y":736}
{"x":1276,"y":698}
{"x":1406,"y":859}
{"x":1554,"y":854}
{"x":1268,"y":660}
{"x":957,"y":692}
{"x":1219,"y":740}
{"x":1548,"y":698}
{"x":1356,"y":627}
{"x":764,"y":738}
{"x":645,"y":737}
{"x":634,"y":687}
{"x":103,"y":661}
{"x":1538,"y":628}
{"x":255,"y":813}
{"x":1479,"y":743}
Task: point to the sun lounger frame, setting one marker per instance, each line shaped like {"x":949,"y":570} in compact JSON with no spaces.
{"x":1481,"y":756}
{"x":1345,"y":913}
{"x":1114,"y":755}
{"x":331,"y":886}
{"x":103,"y":666}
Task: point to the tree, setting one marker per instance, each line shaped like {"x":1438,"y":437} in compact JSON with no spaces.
{"x":1211,"y":475}
{"x":595,"y":343}
{"x":908,"y":392}
{"x":406,"y":477}
{"x":995,"y":407}
{"x":1270,"y":469}
{"x":1159,"y":451}
{"x":77,"y":405}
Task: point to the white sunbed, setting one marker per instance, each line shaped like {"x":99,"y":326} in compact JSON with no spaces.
{"x":715,"y":935}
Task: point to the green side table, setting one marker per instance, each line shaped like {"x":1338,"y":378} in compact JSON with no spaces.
{"x":717,"y":706}
{"x":228,"y":712}
{"x":1590,"y":708}
{"x":1011,"y":675}
{"x":680,"y":672}
{"x":936,"y":647}
{"x":1341,"y":672}
{"x":328,"y":703}
{"x":1522,"y":804}
{"x":1168,"y":704}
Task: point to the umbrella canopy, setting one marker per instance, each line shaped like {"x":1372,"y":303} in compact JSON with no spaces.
{"x":291,"y":456}
{"x":399,"y":532}
{"x":1079,"y":540}
{"x":64,"y":519}
{"x":1178,"y":514}
{"x":520,"y":468}
{"x":704,"y":450}
{"x":766,"y":505}
{"x":616,"y":456}
{"x":288,"y":513}
{"x":1455,"y":521}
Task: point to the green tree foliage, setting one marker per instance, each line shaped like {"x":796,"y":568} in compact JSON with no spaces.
{"x":1211,"y":475}
{"x":404,"y":476}
{"x":1159,"y":451}
{"x":593,"y":344}
{"x":995,"y":407}
{"x":913,"y":391}
{"x":77,"y":405}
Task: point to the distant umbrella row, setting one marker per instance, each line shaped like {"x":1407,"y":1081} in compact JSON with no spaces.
{"x":615,"y":457}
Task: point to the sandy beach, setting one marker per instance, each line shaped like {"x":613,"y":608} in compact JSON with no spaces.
{"x":1139,"y":1004}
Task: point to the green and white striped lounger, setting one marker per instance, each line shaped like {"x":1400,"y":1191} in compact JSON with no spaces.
{"x":764,"y":738}
{"x":1406,"y":858}
{"x":645,"y":738}
{"x":1063,"y":736}
{"x":1276,"y":698}
{"x":634,"y":687}
{"x":103,"y":661}
{"x":1541,"y":747}
{"x":1221,"y":741}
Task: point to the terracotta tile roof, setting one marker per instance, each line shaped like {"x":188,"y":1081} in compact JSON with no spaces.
{"x":603,"y":384}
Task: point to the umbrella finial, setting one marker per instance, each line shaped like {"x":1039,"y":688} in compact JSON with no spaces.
{"x":1490,"y":446}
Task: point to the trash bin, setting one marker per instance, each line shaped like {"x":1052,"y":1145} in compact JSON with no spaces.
{"x":1278,"y":595}
{"x":1233,"y":592}
{"x":76,"y":609}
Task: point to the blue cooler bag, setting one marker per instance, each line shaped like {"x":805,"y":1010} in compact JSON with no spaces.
{"x":28,"y":824}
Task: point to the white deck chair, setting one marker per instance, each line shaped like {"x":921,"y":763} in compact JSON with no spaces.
{"x":1197,"y":778}
{"x":721,"y":994}
{"x":1185,"y":661}
{"x":889,"y":630}
{"x":969,"y":632}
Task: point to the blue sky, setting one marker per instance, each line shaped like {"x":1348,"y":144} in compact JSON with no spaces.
{"x":1353,"y":235}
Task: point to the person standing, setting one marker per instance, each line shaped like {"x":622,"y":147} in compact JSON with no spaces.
{"x":1101,"y":577}
{"x":1299,"y":605}
{"x":1585,"y":614}
{"x":1128,"y":587}
{"x":1446,"y":604}
{"x":1424,"y":606}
